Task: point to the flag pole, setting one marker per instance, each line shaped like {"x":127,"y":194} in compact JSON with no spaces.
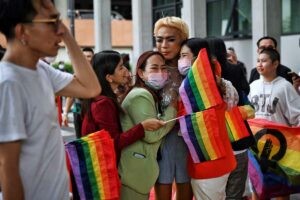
{"x":173,"y":119}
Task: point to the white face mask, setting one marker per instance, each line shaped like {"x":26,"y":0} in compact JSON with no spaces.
{"x":61,"y":66}
{"x":184,"y":65}
{"x":157,"y":81}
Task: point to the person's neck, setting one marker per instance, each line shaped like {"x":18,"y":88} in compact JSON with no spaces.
{"x":172,"y":63}
{"x":20,"y":56}
{"x":113,"y":86}
{"x":270,"y":78}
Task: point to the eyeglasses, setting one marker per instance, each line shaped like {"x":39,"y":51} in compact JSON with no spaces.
{"x":55,"y":22}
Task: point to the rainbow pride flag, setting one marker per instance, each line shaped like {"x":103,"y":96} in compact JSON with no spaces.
{"x":93,"y":162}
{"x":235,"y":125}
{"x":198,"y":90}
{"x":275,"y":162}
{"x":201,"y":135}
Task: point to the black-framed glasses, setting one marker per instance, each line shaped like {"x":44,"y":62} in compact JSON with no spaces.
{"x":54,"y":21}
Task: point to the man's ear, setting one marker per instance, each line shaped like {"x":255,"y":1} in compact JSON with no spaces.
{"x":276,"y":63}
{"x":20,"y":33}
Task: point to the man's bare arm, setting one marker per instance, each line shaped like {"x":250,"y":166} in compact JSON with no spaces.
{"x":11,"y":183}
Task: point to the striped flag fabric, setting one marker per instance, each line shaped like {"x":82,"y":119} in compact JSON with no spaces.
{"x":198,"y":90}
{"x":201,"y":135}
{"x":274,"y":166}
{"x":93,"y":162}
{"x":235,"y":125}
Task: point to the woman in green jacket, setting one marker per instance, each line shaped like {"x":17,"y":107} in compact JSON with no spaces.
{"x":138,"y":166}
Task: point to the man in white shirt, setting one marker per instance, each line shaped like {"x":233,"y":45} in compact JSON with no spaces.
{"x":32,"y":155}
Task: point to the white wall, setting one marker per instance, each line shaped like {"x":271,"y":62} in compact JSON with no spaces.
{"x":290,"y":52}
{"x":63,"y":55}
{"x":243,"y":49}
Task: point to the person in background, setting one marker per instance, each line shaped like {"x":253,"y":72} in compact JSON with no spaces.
{"x":296,"y":81}
{"x":102,"y":112}
{"x":77,"y":115}
{"x":273,"y":97}
{"x":269,"y":42}
{"x":123,"y":89}
{"x":232,"y":58}
{"x":32,"y":154}
{"x":138,"y":167}
{"x":169,"y":33}
{"x":88,"y":53}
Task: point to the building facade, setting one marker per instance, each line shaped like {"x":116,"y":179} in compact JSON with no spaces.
{"x":239,"y":22}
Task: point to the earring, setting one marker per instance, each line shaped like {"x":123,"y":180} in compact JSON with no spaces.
{"x":23,"y":41}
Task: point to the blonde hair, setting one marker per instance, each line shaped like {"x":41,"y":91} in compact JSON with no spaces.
{"x":173,"y":22}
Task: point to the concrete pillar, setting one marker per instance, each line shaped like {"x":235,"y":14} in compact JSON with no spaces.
{"x":266,"y":20}
{"x":102,"y":20}
{"x":142,"y":28}
{"x":62,"y":7}
{"x":194,"y":14}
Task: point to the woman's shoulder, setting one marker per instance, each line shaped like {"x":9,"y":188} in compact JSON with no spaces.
{"x":138,"y":91}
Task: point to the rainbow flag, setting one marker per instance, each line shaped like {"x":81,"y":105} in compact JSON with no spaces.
{"x":201,"y":135}
{"x":235,"y":125}
{"x":93,"y":162}
{"x":198,"y":90}
{"x":274,"y":163}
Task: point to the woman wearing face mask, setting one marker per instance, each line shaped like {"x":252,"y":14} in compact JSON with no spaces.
{"x":169,"y":33}
{"x":138,"y":166}
{"x":102,"y":112}
{"x":208,"y":179}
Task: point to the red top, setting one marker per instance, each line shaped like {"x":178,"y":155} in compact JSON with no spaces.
{"x":105,"y":115}
{"x":219,"y":167}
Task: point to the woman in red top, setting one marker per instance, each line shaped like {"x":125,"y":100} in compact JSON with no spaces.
{"x":102,"y":112}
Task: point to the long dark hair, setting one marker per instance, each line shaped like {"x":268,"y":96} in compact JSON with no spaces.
{"x":104,"y":63}
{"x":195,"y":45}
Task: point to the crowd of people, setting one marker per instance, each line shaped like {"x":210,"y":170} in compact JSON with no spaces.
{"x":150,"y":150}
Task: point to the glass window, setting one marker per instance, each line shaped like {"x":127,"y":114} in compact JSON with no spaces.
{"x":163,"y":8}
{"x":290,"y":16}
{"x":229,"y":18}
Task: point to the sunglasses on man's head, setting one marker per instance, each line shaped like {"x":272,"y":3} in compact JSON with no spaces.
{"x":54,"y":21}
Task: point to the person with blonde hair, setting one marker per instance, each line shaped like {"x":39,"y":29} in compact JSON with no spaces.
{"x":169,"y":33}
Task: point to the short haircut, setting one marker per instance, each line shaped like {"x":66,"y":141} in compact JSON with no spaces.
{"x":231,"y":49}
{"x":88,"y":49}
{"x":267,"y":38}
{"x":173,"y":22}
{"x":273,"y":53}
{"x":13,"y":12}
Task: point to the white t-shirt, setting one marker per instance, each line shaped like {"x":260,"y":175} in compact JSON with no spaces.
{"x":275,"y":101}
{"x":28,"y":113}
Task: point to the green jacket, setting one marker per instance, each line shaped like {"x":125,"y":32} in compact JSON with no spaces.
{"x":138,"y":166}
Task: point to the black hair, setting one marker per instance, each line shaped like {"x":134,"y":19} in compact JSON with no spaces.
{"x":104,"y":63}
{"x":13,"y":12}
{"x":126,"y":59}
{"x":218,"y":49}
{"x":88,"y":49}
{"x":267,"y":38}
{"x":2,"y":51}
{"x":231,"y":49}
{"x":273,"y":54}
{"x":196,"y":44}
